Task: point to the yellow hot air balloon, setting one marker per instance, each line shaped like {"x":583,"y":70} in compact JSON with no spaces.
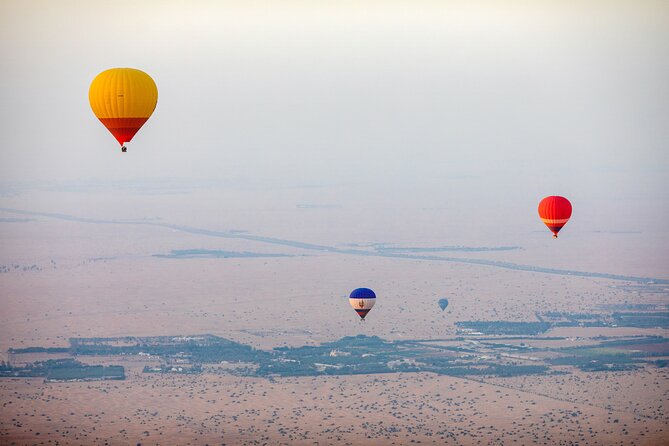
{"x":123,"y":99}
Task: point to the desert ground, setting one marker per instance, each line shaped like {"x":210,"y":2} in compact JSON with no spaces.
{"x":110,"y":271}
{"x":396,"y":409}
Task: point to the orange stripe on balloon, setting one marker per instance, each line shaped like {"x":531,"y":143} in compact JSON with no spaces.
{"x":550,"y":221}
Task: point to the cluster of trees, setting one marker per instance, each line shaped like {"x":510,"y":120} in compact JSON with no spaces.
{"x":39,"y":350}
{"x":210,"y":349}
{"x":86,"y":373}
{"x":348,"y":356}
{"x":642,"y":320}
{"x":565,"y":319}
{"x":611,"y":363}
{"x":63,"y":370}
{"x":371,"y":355}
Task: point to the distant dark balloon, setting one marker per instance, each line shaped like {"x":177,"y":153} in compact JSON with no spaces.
{"x":443,"y":303}
{"x":362,"y":300}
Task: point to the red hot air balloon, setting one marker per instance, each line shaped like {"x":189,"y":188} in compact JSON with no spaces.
{"x":555,"y":211}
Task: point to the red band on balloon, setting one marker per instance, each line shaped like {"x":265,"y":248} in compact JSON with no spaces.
{"x":123,"y":129}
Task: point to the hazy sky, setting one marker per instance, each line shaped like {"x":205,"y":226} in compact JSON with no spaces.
{"x":558,"y":96}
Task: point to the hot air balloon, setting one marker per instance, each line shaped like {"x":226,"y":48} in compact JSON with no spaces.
{"x":555,"y":211}
{"x":123,"y":99}
{"x":362,"y":300}
{"x":443,"y":303}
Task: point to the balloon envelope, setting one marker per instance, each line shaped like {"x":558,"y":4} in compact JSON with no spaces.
{"x":555,"y":212}
{"x":362,"y":300}
{"x":443,"y":303}
{"x":123,"y":99}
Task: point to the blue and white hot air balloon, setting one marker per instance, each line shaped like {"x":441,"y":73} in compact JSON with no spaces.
{"x":362,"y":300}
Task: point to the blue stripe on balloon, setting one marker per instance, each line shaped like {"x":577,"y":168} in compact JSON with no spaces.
{"x":362,"y":293}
